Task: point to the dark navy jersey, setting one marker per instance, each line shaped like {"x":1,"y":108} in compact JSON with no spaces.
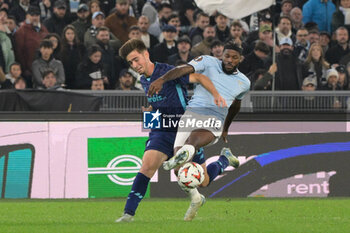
{"x":172,"y":99}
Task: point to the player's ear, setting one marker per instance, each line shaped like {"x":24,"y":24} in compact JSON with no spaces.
{"x":241,"y":59}
{"x":146,"y":53}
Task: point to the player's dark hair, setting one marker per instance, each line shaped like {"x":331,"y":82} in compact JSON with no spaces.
{"x":233,"y":46}
{"x":131,"y":45}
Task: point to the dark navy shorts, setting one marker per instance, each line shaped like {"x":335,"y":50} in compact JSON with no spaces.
{"x":163,"y":141}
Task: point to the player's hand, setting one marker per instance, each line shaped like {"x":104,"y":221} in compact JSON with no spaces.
{"x":147,"y":109}
{"x":220,"y":101}
{"x":155,"y":87}
{"x":224,"y":136}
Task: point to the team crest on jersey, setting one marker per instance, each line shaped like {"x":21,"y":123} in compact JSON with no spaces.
{"x":198,"y":59}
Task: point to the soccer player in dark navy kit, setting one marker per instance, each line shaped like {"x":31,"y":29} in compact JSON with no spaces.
{"x":171,"y":100}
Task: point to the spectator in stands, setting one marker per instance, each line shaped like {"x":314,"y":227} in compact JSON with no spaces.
{"x":163,"y":50}
{"x":236,"y":34}
{"x":174,"y":21}
{"x":82,"y":23}
{"x":90,"y":68}
{"x":316,"y":65}
{"x":56,"y":44}
{"x":126,"y":81}
{"x":183,"y":54}
{"x":59,"y":19}
{"x":338,"y":51}
{"x":150,"y":10}
{"x":186,"y":15}
{"x":20,"y":84}
{"x":302,"y":44}
{"x":263,"y":79}
{"x":71,"y":54}
{"x":217,"y":49}
{"x":4,"y":82}
{"x":45,"y":9}
{"x":8,"y":56}
{"x":258,"y":59}
{"x":11,"y":25}
{"x":284,"y":29}
{"x":28,"y":38}
{"x":221,"y":28}
{"x":98,"y":20}
{"x":343,"y":80}
{"x":341,"y":17}
{"x":254,"y":35}
{"x":314,"y":36}
{"x":332,"y":81}
{"x":286,"y":7}
{"x":148,"y":39}
{"x":265,"y":35}
{"x":164,"y":11}
{"x":94,"y":6}
{"x":134,"y":33}
{"x":325,"y":39}
{"x":203,"y":47}
{"x":45,"y":62}
{"x":14,"y":73}
{"x":120,"y":21}
{"x":320,"y":12}
{"x":309,"y":102}
{"x":19,"y":11}
{"x":50,"y":81}
{"x":196,"y":33}
{"x":296,"y":16}
{"x":287,"y":75}
{"x":97,"y":85}
{"x":107,"y":58}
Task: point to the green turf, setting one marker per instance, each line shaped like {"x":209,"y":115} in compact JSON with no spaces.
{"x":165,"y":215}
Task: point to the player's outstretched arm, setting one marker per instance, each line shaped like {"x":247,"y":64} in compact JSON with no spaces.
{"x":207,"y":84}
{"x":232,"y":112}
{"x":172,"y":74}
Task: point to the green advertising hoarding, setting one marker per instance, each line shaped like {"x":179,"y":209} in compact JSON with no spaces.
{"x":113,"y":164}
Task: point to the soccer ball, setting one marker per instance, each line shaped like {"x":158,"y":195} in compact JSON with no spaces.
{"x":190,"y":175}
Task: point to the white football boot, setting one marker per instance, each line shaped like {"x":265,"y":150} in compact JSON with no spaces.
{"x":125,"y":218}
{"x":193,"y":209}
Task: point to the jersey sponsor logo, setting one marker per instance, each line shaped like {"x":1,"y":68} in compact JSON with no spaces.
{"x":152,"y":120}
{"x":155,"y":98}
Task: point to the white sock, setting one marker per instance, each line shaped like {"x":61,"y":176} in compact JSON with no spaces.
{"x":188,"y":148}
{"x":194,"y":195}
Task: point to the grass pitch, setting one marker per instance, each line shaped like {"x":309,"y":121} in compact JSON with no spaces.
{"x":165,"y":215}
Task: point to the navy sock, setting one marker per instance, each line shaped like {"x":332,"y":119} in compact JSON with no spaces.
{"x":138,"y":190}
{"x":216,"y":168}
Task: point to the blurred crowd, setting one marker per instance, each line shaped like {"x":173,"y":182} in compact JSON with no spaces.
{"x":69,"y":44}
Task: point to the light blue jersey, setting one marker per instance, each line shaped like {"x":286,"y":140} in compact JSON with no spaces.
{"x":230,"y":87}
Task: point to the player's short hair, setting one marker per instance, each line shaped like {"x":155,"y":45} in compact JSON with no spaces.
{"x":233,"y":46}
{"x":131,"y":45}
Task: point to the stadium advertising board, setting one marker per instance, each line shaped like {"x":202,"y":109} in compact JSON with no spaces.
{"x":100,"y":159}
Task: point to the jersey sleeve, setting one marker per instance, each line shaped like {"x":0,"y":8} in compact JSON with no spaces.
{"x":199,"y":64}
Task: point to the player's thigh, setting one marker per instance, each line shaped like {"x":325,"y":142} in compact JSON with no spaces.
{"x":200,"y":138}
{"x":205,"y":182}
{"x":151,"y":161}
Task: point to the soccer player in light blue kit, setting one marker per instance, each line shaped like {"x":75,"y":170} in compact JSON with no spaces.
{"x":232,"y":85}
